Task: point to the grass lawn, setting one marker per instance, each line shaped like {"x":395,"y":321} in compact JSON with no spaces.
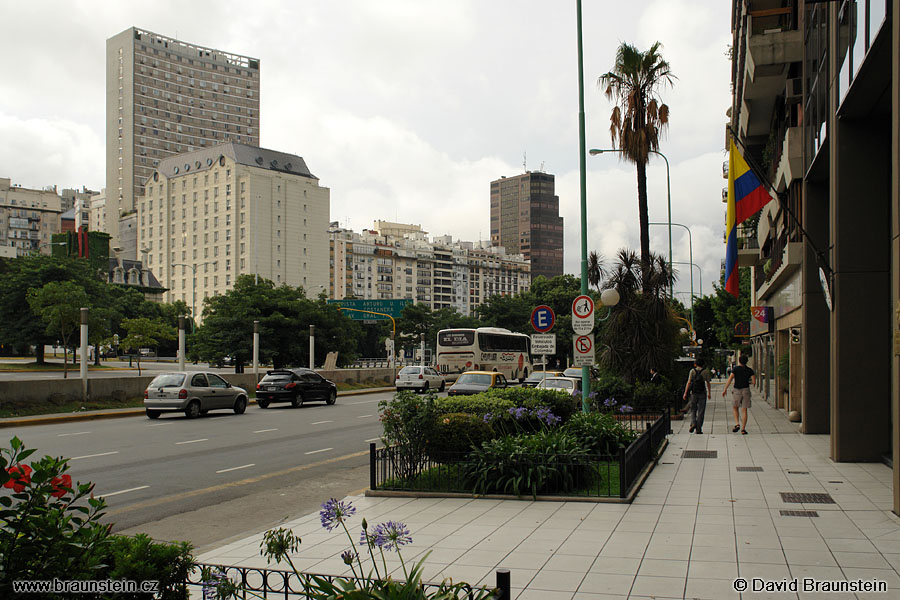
{"x":69,"y":407}
{"x":33,"y":366}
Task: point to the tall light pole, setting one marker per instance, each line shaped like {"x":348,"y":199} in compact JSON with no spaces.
{"x":690,"y":247}
{"x":596,"y":151}
{"x":193,"y":269}
{"x":582,"y":165}
{"x":700,"y":272}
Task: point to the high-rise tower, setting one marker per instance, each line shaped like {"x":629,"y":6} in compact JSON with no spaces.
{"x":165,"y":97}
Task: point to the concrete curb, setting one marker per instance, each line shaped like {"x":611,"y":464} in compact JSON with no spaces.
{"x":94,"y":416}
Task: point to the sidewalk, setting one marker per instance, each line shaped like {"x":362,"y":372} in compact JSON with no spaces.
{"x":697,"y":524}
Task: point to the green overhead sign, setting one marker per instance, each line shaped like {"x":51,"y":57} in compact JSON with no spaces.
{"x":385,"y":307}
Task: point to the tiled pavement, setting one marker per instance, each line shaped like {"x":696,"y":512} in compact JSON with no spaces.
{"x":696,"y":525}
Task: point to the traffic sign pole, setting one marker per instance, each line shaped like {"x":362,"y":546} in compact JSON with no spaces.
{"x":582,"y":324}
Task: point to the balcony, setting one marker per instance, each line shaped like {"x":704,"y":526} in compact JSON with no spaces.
{"x":784,"y":260}
{"x":788,"y":158}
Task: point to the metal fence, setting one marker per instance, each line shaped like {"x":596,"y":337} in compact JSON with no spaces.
{"x":585,"y":475}
{"x":256,"y":582}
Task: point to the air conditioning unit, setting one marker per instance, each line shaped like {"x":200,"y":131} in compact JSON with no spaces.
{"x":725,"y":194}
{"x":725,"y":169}
{"x":793,"y":89}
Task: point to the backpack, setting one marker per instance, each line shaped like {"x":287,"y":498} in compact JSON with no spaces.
{"x":698,"y":382}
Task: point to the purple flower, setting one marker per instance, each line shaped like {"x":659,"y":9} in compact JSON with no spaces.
{"x":391,"y":535}
{"x":334,"y":512}
{"x":592,"y":395}
{"x":488,"y":417}
{"x":518,"y":413}
{"x":348,"y":556}
{"x":211,"y":585}
{"x":609,"y":402}
{"x":366,"y":539}
{"x":625,"y":409}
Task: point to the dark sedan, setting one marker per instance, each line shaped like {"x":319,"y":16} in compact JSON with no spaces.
{"x":295,"y":386}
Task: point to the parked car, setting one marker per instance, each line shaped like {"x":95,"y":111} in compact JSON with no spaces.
{"x":576,"y":372}
{"x":194,"y":393}
{"x":420,"y":378}
{"x":569,"y":385}
{"x":295,"y":386}
{"x":475,"y":382}
{"x":536,"y":377}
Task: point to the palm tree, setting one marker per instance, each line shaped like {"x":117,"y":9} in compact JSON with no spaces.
{"x":638,"y":116}
{"x":596,"y":270}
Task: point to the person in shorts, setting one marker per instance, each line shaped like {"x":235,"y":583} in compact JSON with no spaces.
{"x":743,"y":376}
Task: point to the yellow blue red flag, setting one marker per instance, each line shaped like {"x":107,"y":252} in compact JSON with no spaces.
{"x":746,"y":197}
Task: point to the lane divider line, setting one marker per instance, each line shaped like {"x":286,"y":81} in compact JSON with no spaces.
{"x":373,"y":440}
{"x":236,"y":468}
{"x":317,"y":451}
{"x":265,"y":430}
{"x":143,"y":487}
{"x":94,"y":455}
{"x":192,"y":441}
{"x":363,"y":416}
{"x":321,"y":422}
{"x":158,"y":424}
{"x":78,"y":433}
{"x":363,"y":402}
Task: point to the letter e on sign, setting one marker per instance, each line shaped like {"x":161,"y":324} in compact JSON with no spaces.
{"x":543,"y":319}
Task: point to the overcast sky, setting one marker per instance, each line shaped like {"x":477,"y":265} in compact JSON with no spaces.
{"x":407,"y":109}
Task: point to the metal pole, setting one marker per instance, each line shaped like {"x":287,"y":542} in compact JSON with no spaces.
{"x":256,"y":349}
{"x":84,"y":351}
{"x":582,"y":165}
{"x":422,"y":340}
{"x":312,"y":347}
{"x":504,"y":587}
{"x":181,"y":342}
{"x":669,"y":202}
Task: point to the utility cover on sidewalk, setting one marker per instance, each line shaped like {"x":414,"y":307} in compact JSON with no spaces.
{"x":749,"y":469}
{"x":700,"y":454}
{"x":804,"y":498}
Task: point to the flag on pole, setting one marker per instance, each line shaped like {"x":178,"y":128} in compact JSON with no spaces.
{"x":746,"y":197}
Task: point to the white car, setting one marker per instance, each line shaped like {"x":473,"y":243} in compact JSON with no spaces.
{"x":420,"y":378}
{"x":569,"y":385}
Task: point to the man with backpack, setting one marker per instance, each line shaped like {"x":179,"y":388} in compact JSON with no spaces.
{"x":700,"y":389}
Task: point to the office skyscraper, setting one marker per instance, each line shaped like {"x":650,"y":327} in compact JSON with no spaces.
{"x":525,"y":220}
{"x":165,"y":97}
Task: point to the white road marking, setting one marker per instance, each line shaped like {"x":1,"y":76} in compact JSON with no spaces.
{"x":78,"y":433}
{"x":93,"y":455}
{"x":265,"y":430}
{"x":363,"y":416}
{"x":322,"y":450}
{"x":374,"y":440}
{"x":363,"y":402}
{"x":193,"y":441}
{"x":320,"y":422}
{"x":236,"y":468}
{"x":143,"y":487}
{"x":158,"y":424}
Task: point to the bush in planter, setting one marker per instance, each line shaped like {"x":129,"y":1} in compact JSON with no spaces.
{"x":562,"y":405}
{"x":141,"y":559}
{"x":409,"y":422}
{"x":651,"y":396}
{"x":457,"y":433}
{"x":610,"y":385}
{"x":476,"y":404}
{"x":599,"y":433}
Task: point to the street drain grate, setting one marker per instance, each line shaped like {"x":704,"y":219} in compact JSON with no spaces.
{"x":799,"y":513}
{"x":835,"y":482}
{"x":700,"y":454}
{"x":749,"y":469}
{"x":804,"y":498}
{"x":798,"y":472}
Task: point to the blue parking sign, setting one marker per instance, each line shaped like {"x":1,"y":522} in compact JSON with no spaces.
{"x":543,"y":319}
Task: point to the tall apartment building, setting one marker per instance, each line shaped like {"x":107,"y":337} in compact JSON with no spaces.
{"x":397,"y":261}
{"x":525,"y":219}
{"x":28,"y":217}
{"x":816,"y":103}
{"x":80,"y":202}
{"x":210,"y":215}
{"x":98,"y":212}
{"x":165,"y":97}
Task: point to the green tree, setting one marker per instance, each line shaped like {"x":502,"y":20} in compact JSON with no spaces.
{"x":144,"y":333}
{"x":728,"y":311}
{"x":638,"y":117}
{"x":596,"y":269}
{"x":59,"y":304}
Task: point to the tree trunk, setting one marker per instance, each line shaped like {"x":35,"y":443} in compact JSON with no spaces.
{"x":644,"y":218}
{"x":39,"y":353}
{"x":66,"y":361}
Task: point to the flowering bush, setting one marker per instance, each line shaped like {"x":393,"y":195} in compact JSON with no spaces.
{"x":456,"y":433}
{"x":599,"y":433}
{"x":409,"y":423}
{"x":374,"y":583}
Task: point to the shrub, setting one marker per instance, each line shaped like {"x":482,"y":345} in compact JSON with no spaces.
{"x":457,"y":432}
{"x":562,"y":405}
{"x":550,"y":461}
{"x":476,"y":404}
{"x":141,"y":559}
{"x":649,"y":396}
{"x":599,"y":433}
{"x":409,"y":423}
{"x":610,"y":385}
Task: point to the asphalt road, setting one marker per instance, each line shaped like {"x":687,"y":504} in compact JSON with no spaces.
{"x":209,"y":479}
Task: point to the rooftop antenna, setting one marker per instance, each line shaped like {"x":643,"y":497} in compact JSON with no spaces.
{"x":542,"y":166}
{"x":525,"y":162}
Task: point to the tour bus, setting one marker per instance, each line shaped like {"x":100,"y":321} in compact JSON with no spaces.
{"x":484,"y":349}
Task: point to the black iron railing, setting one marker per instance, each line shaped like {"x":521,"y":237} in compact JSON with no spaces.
{"x":393,"y":468}
{"x":256,"y":582}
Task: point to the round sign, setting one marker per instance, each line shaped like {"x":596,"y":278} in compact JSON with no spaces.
{"x":543,"y":319}
{"x":583,"y":344}
{"x":582,"y":307}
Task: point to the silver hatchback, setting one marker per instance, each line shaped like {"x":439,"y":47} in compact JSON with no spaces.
{"x":193,"y":393}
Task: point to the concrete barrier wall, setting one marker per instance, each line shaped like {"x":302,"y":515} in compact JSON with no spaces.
{"x":28,"y":392}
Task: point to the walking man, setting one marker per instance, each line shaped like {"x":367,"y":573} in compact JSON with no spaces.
{"x":700,"y":389}
{"x":743,"y":376}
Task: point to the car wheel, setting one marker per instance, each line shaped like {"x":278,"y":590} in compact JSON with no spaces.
{"x":425,"y":387}
{"x":240,"y":405}
{"x":153,"y":414}
{"x":332,"y":397}
{"x":443,"y":385}
{"x":193,"y":410}
{"x":204,"y":412}
{"x":297,"y":401}
{"x":262,"y":403}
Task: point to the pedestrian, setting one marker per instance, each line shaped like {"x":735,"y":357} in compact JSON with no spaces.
{"x":699,"y":388}
{"x":742,"y":376}
{"x":655,"y":376}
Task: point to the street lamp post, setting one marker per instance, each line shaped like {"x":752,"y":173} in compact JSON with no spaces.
{"x":596,"y":151}
{"x":700,"y":273}
{"x":193,"y":269}
{"x":690,"y":247}
{"x":582,"y":165}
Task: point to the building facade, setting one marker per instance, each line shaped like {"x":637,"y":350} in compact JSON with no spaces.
{"x":28,"y":217}
{"x":98,"y":212}
{"x":166,"y":97}
{"x":816,"y":104}
{"x":525,"y":220}
{"x":211,"y":215}
{"x":398,"y":261}
{"x":80,"y":202}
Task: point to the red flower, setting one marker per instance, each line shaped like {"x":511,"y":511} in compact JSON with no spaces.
{"x":19,"y":477}
{"x":61,"y":485}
